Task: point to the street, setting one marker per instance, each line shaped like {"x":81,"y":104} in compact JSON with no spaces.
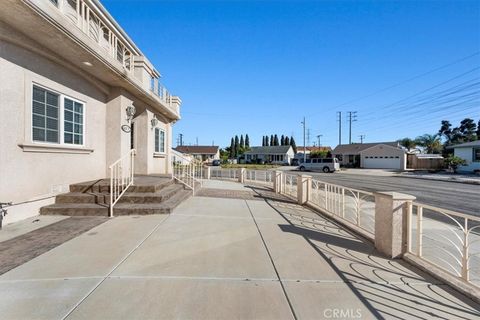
{"x":460,"y":197}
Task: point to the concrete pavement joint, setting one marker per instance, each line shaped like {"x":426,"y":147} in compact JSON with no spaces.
{"x":114,"y":268}
{"x":273,"y":263}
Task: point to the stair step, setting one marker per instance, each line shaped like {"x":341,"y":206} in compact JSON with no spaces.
{"x":144,"y":184}
{"x":79,"y":197}
{"x":151,"y":197}
{"x":165,"y":207}
{"x":75,"y":209}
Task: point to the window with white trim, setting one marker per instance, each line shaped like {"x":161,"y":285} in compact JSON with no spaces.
{"x":159,"y":140}
{"x":56,"y":118}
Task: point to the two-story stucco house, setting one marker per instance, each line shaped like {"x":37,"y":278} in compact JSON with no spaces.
{"x":69,"y":77}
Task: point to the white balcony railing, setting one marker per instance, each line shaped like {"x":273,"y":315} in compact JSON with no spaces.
{"x":447,"y":239}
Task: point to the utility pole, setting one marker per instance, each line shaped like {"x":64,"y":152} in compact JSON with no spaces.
{"x":362,"y":136}
{"x":339,"y":113}
{"x":197,"y":141}
{"x":352,"y":117}
{"x":319,"y":141}
{"x":308,"y":136}
{"x":304,"y":145}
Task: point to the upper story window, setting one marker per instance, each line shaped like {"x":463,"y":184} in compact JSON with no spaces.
{"x":159,"y":140}
{"x":57,"y":118}
{"x":55,"y":2}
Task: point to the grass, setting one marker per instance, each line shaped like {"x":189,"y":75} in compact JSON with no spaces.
{"x":250,"y":166}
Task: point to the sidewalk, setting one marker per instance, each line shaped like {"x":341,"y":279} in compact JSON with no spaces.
{"x":250,"y":257}
{"x":450,"y":177}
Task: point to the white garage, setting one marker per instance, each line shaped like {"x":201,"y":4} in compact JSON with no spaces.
{"x":383,"y":156}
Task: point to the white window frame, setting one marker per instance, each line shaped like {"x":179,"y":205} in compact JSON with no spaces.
{"x":61,"y":119}
{"x":164,"y":141}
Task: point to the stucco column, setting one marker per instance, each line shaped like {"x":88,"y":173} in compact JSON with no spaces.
{"x":391,"y":222}
{"x":241,"y":175}
{"x":206,"y":173}
{"x":277,"y":181}
{"x":304,"y":185}
{"x":117,"y":141}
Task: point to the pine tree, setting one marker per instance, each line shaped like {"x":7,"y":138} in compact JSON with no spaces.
{"x":263,"y":141}
{"x":242,"y":142}
{"x":287,"y":141}
{"x":272,"y":142}
{"x":232,"y":149}
{"x":266,"y":141}
{"x":247,"y":141}
{"x":282,"y":140}
{"x":478,"y":130}
{"x":275,"y":140}
{"x":237,"y":146}
{"x":293,"y":144}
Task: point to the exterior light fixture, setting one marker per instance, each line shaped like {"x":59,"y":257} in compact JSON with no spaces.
{"x":154,"y":121}
{"x":130,"y":110}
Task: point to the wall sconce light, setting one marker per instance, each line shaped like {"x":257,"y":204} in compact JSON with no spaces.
{"x":154,"y":121}
{"x":130,"y":113}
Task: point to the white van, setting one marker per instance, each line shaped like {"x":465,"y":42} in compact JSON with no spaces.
{"x":324,"y":164}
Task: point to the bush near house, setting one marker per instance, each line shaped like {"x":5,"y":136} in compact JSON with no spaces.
{"x":454,"y":162}
{"x":321,"y":154}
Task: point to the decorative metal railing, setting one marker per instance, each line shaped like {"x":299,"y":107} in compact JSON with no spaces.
{"x":94,"y":24}
{"x":188,"y":172}
{"x":227,"y":174}
{"x":450,"y":240}
{"x":121,"y":177}
{"x":259,"y":176}
{"x":289,"y":185}
{"x":354,"y":206}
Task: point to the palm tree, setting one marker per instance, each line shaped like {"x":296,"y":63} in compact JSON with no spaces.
{"x":407,"y":143}
{"x":431,"y":142}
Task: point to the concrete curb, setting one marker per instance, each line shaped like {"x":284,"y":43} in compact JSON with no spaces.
{"x":438,"y":179}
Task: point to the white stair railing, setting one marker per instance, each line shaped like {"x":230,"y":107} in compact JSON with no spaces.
{"x":187,"y":171}
{"x":121,"y":177}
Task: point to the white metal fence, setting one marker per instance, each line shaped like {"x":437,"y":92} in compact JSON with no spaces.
{"x":121,"y":177}
{"x":448,"y":239}
{"x":228,"y":174}
{"x":354,"y":206}
{"x":289,"y":185}
{"x":259,"y":177}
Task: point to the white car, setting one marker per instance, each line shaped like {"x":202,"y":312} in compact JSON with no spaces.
{"x":322,"y":164}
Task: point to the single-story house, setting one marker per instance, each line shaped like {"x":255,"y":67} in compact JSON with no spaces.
{"x":380,"y":155}
{"x":270,"y":154}
{"x":203,"y":153}
{"x":181,"y":158}
{"x":470,"y":152}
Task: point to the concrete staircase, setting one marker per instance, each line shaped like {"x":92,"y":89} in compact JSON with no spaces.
{"x":148,"y":195}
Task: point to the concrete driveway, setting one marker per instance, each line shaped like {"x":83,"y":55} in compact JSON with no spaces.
{"x":217,"y":258}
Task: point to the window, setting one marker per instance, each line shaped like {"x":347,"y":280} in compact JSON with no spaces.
{"x":327,"y":161}
{"x":73,"y":122}
{"x":159,"y":140}
{"x":476,"y":154}
{"x":54,"y":121}
{"x":45,"y":115}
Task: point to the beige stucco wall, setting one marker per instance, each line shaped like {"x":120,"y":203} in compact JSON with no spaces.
{"x":27,"y":175}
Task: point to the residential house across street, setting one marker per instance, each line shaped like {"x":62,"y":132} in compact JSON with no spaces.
{"x":470,"y":152}
{"x":269,"y":154}
{"x":203,"y":153}
{"x":381,"y":155}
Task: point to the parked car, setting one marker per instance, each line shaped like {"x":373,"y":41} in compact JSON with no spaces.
{"x":324,"y":164}
{"x":216,"y":163}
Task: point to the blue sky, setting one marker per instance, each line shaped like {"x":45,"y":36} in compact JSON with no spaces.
{"x":259,"y":67}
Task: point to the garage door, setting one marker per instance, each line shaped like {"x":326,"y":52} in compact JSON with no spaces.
{"x":382,"y":163}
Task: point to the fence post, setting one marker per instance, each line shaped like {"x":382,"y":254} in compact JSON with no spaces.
{"x":277,"y":181}
{"x":207,"y":173}
{"x":391,"y":209}
{"x":304,"y":185}
{"x":241,"y":175}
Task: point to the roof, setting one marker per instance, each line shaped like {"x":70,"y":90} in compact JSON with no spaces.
{"x":269,"y":150}
{"x":466,"y":145}
{"x":300,"y":148}
{"x":356,"y":148}
{"x":197,"y":149}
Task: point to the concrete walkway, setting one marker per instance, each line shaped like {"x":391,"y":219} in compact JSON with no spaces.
{"x":217,"y":258}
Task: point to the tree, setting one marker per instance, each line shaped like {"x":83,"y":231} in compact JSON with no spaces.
{"x":468,"y":129}
{"x":237,"y":147}
{"x":454,"y":162}
{"x":408,"y":143}
{"x":242,"y":142}
{"x":431,"y":143}
{"x":272,"y":142}
{"x":232,"y":149}
{"x":247,"y":141}
{"x":293,"y":144}
{"x":266,"y":141}
{"x":478,"y":130}
{"x":282,"y":140}
{"x":287,"y":141}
